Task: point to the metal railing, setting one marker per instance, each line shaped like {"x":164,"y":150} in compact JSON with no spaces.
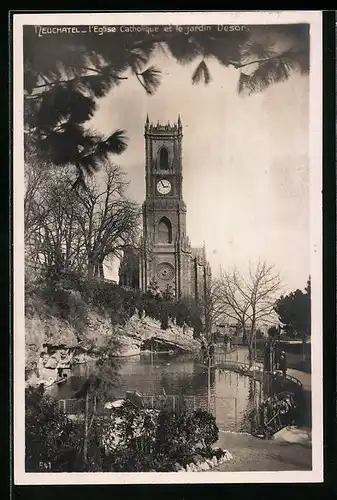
{"x":294,"y":380}
{"x":224,"y":409}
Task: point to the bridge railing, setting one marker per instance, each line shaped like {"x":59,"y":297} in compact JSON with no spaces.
{"x":234,"y":365}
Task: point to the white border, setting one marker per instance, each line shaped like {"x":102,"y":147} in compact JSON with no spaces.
{"x":209,"y":18}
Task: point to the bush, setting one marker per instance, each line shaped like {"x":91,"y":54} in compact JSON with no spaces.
{"x":52,"y":441}
{"x":161,"y":443}
{"x":178,"y":436}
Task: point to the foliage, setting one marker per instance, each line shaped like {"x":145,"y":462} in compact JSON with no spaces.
{"x":259,"y":334}
{"x":294,"y":312}
{"x":178,"y":435}
{"x":162,"y":440}
{"x":127,"y":426}
{"x":70,"y":296}
{"x":64,"y":76}
{"x":50,"y":437}
{"x":273,"y":331}
{"x":131,"y":439}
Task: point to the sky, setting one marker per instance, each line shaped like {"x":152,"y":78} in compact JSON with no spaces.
{"x":245,"y":163}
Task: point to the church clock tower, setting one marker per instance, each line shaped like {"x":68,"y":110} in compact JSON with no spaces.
{"x":166,"y":251}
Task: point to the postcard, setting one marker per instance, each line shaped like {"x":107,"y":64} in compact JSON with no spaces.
{"x":167,"y":178}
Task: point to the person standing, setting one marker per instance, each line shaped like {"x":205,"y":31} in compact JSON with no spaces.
{"x":267,"y":364}
{"x":277,"y":356}
{"x":283,"y":363}
{"x":211,"y":350}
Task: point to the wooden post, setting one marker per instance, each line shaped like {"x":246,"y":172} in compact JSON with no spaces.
{"x":236,"y":413}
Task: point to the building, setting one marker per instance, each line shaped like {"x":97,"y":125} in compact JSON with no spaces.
{"x":166,"y":257}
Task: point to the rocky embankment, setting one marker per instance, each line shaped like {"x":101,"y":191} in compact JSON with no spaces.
{"x":53,"y":345}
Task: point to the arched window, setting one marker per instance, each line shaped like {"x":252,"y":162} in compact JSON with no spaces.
{"x":163,"y":159}
{"x":165,"y":231}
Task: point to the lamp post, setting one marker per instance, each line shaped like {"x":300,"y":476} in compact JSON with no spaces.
{"x":209,"y":367}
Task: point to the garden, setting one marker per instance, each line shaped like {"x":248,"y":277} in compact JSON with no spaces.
{"x":125,"y":439}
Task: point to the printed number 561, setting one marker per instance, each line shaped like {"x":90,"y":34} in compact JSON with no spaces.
{"x":45,"y":465}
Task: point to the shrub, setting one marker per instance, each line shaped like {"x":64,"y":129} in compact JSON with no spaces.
{"x":52,"y":441}
{"x":178,"y":436}
{"x":156,"y":442}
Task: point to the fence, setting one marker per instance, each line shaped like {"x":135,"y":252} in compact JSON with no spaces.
{"x":71,"y":406}
{"x":224,"y":409}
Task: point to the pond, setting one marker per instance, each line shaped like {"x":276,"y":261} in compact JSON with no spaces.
{"x":158,"y":374}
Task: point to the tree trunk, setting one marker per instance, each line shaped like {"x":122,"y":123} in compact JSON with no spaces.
{"x":101,"y":269}
{"x":250,"y":355}
{"x":91,"y":269}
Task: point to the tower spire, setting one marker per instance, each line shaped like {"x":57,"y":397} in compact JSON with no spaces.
{"x":147,"y":122}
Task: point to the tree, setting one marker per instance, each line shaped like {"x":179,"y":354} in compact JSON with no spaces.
{"x":77,"y":230}
{"x":57,"y":241}
{"x":98,"y":385}
{"x":65,"y":75}
{"x":211,"y":306}
{"x":294,"y":312}
{"x":35,"y":179}
{"x":249,"y":300}
{"x":153,"y":288}
{"x":108,"y":220}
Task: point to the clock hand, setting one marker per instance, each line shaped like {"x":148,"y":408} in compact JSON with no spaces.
{"x":162,"y":183}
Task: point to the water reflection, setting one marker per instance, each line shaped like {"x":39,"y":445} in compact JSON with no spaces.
{"x":176,"y":375}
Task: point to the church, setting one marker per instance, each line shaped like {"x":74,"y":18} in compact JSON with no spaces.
{"x":166,"y":258}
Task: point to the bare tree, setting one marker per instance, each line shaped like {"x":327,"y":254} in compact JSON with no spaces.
{"x":53,"y":237}
{"x":36,"y":177}
{"x":77,"y":229}
{"x":249,"y":300}
{"x":212,"y":305}
{"x":108,"y":220}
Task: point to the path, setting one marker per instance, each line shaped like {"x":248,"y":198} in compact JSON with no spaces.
{"x":254,"y":454}
{"x":303,"y":377}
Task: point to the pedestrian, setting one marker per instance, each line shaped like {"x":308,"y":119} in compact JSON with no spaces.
{"x":267,"y":364}
{"x":211,"y":350}
{"x":277,"y":357}
{"x":283,"y":363}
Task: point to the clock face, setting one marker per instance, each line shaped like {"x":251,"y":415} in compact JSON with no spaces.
{"x":163,"y":186}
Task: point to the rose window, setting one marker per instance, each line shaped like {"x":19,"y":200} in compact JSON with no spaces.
{"x":165,"y":271}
